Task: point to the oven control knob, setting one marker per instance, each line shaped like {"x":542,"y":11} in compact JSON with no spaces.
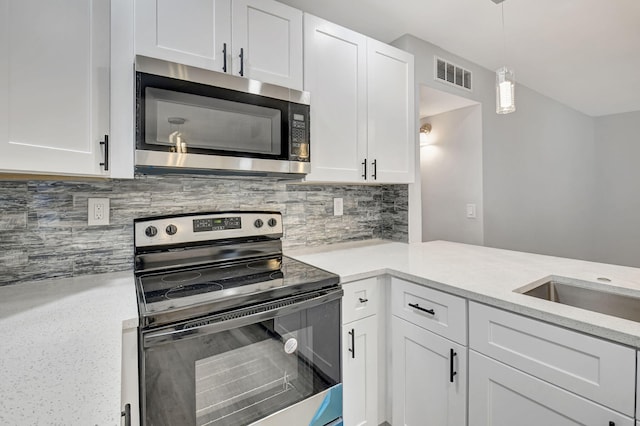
{"x":272,"y":222}
{"x":171,"y":229}
{"x":151,"y":231}
{"x":258,"y":223}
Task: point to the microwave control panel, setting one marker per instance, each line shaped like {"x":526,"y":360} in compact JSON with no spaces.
{"x":299,"y":133}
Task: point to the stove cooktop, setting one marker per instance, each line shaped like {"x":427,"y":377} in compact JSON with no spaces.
{"x":182,"y":294}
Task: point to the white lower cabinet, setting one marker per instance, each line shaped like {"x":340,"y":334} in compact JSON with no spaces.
{"x":500,"y":395}
{"x":429,"y":377}
{"x":360,"y":372}
{"x":360,"y":352}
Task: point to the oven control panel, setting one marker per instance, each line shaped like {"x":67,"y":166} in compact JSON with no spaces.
{"x":163,"y":230}
{"x":216,"y":224}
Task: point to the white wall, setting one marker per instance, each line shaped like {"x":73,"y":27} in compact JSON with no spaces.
{"x":451,"y":176}
{"x":537,"y":167}
{"x":617,"y":202}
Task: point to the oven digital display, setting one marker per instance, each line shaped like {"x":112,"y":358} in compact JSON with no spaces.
{"x":216,"y":224}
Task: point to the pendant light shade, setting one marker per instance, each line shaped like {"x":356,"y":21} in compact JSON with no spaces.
{"x":505,"y":91}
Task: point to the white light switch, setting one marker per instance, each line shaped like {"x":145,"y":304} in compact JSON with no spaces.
{"x":337,"y":206}
{"x":471,"y":211}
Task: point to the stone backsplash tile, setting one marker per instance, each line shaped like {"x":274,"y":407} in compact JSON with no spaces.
{"x":44,"y":234}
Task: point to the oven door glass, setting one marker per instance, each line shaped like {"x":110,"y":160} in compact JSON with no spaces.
{"x":241,"y":374}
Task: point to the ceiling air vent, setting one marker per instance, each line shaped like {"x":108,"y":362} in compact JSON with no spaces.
{"x":452,"y":74}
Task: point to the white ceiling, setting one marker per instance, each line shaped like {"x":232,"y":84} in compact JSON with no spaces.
{"x":583,"y":53}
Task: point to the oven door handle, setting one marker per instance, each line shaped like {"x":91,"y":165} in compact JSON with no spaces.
{"x":215,"y":324}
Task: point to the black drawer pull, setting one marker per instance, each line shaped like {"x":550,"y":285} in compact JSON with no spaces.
{"x":242,"y":62}
{"x":363,"y":300}
{"x":452,"y":373}
{"x":364,"y":163}
{"x":420,"y":308}
{"x":375,"y":169}
{"x":352,"y":349}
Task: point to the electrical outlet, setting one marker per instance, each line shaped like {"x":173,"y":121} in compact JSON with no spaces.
{"x":98,"y":211}
{"x":337,"y":206}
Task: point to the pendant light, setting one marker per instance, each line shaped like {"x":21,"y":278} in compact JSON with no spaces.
{"x":505,"y":79}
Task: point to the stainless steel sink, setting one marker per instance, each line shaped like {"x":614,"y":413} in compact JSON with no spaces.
{"x":586,"y":295}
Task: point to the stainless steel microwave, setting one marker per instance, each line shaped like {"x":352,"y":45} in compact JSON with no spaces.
{"x":193,"y":120}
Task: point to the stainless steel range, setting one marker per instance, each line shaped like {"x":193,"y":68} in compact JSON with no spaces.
{"x":231,"y":331}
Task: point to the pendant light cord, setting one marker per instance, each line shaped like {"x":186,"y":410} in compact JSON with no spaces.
{"x":504,"y":36}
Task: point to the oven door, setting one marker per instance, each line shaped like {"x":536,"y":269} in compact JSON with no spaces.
{"x":257,"y":365}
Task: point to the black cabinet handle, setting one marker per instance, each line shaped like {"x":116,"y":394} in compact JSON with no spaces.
{"x":127,"y":415}
{"x":224,"y":57}
{"x":375,"y":169}
{"x":363,"y":300}
{"x":420,"y":308}
{"x":452,"y":373}
{"x":353,"y":343}
{"x":364,"y":163}
{"x":105,"y":142}
{"x":242,"y":61}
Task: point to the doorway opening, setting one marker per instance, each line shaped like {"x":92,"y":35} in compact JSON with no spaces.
{"x":451,"y":167}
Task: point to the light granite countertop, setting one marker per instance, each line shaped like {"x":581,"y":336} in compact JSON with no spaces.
{"x":486,"y":275}
{"x":62,"y":339}
{"x":61,"y":349}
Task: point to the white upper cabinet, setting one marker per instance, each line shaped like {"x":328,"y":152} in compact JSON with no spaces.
{"x":193,"y":32}
{"x":335,"y":64}
{"x":267,"y":42}
{"x":257,"y":39}
{"x":390,"y":83}
{"x":362,"y":106}
{"x":54,"y":86}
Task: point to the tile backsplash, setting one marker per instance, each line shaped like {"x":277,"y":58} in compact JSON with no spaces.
{"x":44,"y":232}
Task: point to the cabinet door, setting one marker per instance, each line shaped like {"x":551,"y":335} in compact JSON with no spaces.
{"x":424,"y":390}
{"x":270,"y":36}
{"x":391,"y":132}
{"x":54,"y":85}
{"x":335,"y":63}
{"x":360,"y":372}
{"x":503,"y":396}
{"x":190,"y":32}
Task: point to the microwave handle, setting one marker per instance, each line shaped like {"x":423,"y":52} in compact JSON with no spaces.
{"x":171,"y":334}
{"x":242,"y":62}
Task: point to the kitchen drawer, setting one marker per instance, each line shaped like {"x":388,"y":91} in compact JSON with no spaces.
{"x":588,"y":366}
{"x":439,"y":312}
{"x":360,"y":299}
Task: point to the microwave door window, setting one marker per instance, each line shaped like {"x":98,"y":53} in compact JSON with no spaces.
{"x":183,"y":121}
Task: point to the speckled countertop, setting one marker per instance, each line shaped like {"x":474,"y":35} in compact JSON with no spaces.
{"x":485,"y":275}
{"x":62,"y":339}
{"x":61,"y":349}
